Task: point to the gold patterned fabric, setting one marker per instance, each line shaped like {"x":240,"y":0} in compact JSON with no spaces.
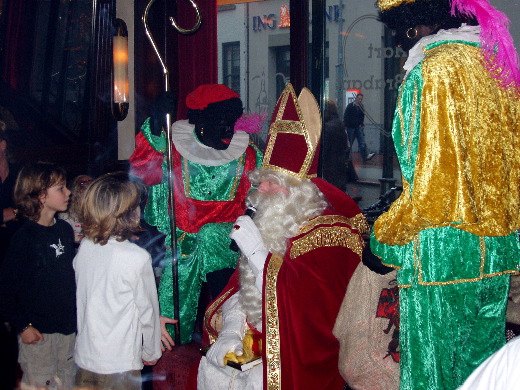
{"x":461,"y":159}
{"x":272,"y":329}
{"x":327,"y":231}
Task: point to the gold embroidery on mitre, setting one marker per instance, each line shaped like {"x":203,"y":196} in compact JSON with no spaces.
{"x":327,"y":236}
{"x":385,"y":5}
{"x":308,"y":126}
{"x":272,"y":326}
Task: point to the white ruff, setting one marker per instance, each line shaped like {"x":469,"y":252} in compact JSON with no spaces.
{"x":463,"y":33}
{"x":183,"y":136}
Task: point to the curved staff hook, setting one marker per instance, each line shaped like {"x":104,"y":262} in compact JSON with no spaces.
{"x":197,"y":22}
{"x":171,"y":198}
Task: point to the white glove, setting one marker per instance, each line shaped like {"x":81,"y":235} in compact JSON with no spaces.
{"x":247,"y":236}
{"x":249,"y":240}
{"x":231,"y":335}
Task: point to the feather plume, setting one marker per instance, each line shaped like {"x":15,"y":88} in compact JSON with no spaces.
{"x":496,"y":41}
{"x":250,"y":123}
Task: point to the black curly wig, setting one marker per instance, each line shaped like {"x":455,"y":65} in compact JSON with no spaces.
{"x":225,"y":111}
{"x":421,"y":12}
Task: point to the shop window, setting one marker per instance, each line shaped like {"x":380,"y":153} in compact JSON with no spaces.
{"x":231,"y":65}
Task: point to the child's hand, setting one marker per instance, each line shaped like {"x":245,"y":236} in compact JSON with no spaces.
{"x":31,"y":335}
{"x":150,"y":363}
{"x":166,"y":340}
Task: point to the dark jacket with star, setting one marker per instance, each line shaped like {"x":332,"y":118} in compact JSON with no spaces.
{"x":37,"y":283}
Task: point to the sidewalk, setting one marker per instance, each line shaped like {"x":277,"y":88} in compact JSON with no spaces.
{"x":368,"y":187}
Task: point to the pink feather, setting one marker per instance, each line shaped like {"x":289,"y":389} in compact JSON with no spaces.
{"x":250,"y":123}
{"x":496,"y":41}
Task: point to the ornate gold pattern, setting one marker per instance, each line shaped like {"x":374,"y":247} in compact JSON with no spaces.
{"x":358,"y":222}
{"x":289,"y":127}
{"x":269,"y":149}
{"x":272,"y":331}
{"x":327,"y":236}
{"x":208,"y":317}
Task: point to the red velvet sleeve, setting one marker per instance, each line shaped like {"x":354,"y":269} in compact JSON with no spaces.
{"x":145,"y":162}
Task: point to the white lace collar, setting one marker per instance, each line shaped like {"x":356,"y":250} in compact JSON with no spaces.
{"x":463,"y":33}
{"x":186,"y":143}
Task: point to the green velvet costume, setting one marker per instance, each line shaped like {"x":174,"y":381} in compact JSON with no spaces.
{"x":452,"y":232}
{"x":210,"y":189}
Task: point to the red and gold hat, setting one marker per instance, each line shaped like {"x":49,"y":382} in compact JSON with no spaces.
{"x":294,"y":135}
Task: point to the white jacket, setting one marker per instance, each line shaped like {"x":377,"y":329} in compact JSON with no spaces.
{"x":118,"y":310}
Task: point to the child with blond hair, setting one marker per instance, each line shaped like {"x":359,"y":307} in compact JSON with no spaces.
{"x":37,"y":286}
{"x":118,"y":311}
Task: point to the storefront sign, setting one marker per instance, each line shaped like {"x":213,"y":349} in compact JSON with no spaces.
{"x":270,"y":22}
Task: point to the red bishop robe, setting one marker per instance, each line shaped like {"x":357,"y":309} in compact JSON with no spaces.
{"x":302,"y":295}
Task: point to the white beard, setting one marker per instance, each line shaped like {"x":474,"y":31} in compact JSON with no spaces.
{"x":278,"y":219}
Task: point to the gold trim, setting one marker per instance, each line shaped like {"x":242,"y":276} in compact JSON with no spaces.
{"x":358,"y":222}
{"x":322,"y":220}
{"x":269,"y":149}
{"x":483,"y":249}
{"x":298,"y":175}
{"x":186,"y":177}
{"x":238,"y":176}
{"x":272,"y":331}
{"x":396,"y":267}
{"x":328,"y":236}
{"x":287,"y":127}
{"x":208,"y":315}
{"x":283,"y":103}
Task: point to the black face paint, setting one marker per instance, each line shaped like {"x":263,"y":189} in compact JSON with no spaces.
{"x":403,"y":41}
{"x":216,"y":134}
{"x":215,"y":126}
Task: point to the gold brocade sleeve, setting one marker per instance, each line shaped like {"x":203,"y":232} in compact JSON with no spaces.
{"x":467,"y":168}
{"x":329,"y":231}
